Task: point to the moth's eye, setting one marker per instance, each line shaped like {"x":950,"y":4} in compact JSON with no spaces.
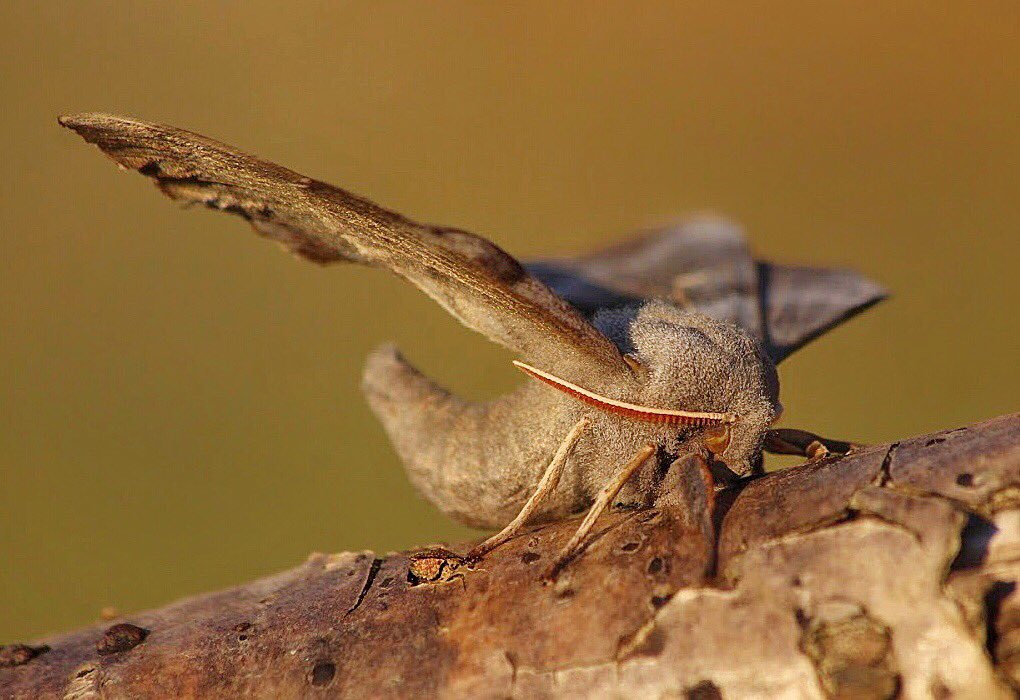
{"x":718,"y":439}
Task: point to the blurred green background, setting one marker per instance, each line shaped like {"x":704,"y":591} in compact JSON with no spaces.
{"x":180,"y":404}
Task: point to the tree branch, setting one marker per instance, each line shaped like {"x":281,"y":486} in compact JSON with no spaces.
{"x":889,"y":571}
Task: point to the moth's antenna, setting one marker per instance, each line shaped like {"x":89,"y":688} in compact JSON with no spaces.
{"x":645,"y":413}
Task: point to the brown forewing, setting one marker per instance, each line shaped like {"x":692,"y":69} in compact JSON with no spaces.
{"x":477,"y":282}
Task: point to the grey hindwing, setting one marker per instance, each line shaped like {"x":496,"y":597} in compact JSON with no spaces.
{"x":704,"y":264}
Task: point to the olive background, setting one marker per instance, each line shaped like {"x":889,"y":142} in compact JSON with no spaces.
{"x":179,"y":403}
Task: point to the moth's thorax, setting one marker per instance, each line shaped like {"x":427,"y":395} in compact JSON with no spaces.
{"x":693,"y":362}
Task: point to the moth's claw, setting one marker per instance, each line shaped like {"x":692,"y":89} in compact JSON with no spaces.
{"x":816,"y":451}
{"x":786,"y":441}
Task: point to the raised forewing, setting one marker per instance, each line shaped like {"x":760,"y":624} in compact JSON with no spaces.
{"x":477,"y":282}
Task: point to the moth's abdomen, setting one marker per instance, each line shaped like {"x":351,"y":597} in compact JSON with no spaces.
{"x":477,"y":462}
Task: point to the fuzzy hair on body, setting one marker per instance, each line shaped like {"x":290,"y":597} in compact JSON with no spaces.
{"x":478,"y":463}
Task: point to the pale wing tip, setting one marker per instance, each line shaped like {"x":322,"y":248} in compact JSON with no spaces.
{"x":73,"y":121}
{"x":115,"y":136}
{"x":85,"y":120}
{"x":876,"y":292}
{"x":803,"y":303}
{"x":97,"y":126}
{"x":862,"y":292}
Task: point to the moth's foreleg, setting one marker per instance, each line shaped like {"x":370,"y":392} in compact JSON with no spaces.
{"x":788,"y":441}
{"x":550,"y":479}
{"x":605,"y":497}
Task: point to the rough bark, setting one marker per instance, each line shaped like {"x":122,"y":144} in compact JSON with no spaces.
{"x":891,"y":571}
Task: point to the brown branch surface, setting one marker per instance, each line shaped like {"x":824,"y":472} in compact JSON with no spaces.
{"x":891,"y":571}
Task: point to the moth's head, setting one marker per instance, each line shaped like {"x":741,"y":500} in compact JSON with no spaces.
{"x":692,"y":362}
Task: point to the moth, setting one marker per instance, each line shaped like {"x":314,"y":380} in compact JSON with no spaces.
{"x":637,"y":356}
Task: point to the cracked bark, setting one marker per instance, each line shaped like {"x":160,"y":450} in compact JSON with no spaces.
{"x":888,"y":572}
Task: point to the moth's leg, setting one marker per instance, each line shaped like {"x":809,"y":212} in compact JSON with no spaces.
{"x":787,"y":441}
{"x":545,"y":486}
{"x":605,"y":497}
